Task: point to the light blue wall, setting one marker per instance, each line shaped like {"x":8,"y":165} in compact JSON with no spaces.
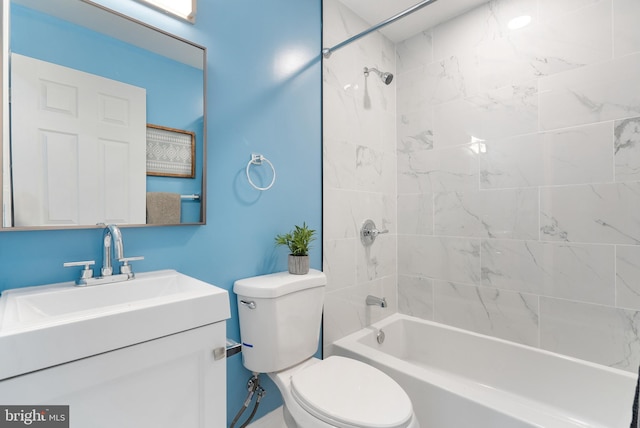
{"x":251,"y":108}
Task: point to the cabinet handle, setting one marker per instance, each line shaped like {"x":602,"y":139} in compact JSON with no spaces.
{"x":219,"y":353}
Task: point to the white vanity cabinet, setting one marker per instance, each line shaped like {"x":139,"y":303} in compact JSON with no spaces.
{"x":149,"y":352}
{"x":174,"y":381}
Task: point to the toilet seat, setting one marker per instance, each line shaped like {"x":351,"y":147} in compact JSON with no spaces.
{"x":350,"y":394}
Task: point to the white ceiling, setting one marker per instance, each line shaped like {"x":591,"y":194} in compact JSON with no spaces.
{"x":375,"y":11}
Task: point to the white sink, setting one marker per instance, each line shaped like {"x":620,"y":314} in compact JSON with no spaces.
{"x":52,"y":324}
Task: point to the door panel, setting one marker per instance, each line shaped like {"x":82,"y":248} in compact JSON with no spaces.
{"x":78,"y":146}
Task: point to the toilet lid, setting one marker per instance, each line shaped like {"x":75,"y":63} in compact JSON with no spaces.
{"x":348,"y":393}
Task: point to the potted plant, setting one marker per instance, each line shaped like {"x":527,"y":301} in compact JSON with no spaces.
{"x":299,"y":241}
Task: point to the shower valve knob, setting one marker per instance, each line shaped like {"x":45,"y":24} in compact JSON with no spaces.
{"x":375,"y":232}
{"x":369,"y":232}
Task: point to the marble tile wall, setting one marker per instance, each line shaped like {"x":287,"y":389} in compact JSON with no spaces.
{"x":506,"y":165}
{"x":518,"y":206}
{"x":359,"y":175}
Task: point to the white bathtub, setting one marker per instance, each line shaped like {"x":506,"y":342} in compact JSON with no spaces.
{"x":457,"y":379}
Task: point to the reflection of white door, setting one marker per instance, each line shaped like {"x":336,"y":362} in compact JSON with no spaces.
{"x":78,"y":146}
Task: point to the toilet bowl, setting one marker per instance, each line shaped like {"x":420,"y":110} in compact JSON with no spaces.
{"x":280,"y":316}
{"x":342,"y":392}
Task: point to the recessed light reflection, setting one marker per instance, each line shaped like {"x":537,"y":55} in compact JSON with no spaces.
{"x":519,"y":22}
{"x":477,"y":145}
{"x":350,"y":89}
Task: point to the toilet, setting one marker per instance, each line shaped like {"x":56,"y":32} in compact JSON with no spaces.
{"x":280,"y":316}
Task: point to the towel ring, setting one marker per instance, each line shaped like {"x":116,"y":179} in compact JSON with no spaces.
{"x":257,"y":159}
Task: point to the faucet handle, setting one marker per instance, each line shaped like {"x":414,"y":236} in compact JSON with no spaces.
{"x":369,"y":232}
{"x":126,"y":260}
{"x":86,"y":272}
{"x":126,"y":267}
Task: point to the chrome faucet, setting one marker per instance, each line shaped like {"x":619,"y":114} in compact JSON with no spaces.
{"x":112,"y":237}
{"x":376,"y":301}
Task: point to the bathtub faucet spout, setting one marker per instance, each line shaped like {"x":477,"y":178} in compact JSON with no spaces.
{"x":376,"y":301}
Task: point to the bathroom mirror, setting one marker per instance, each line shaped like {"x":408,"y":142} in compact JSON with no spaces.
{"x":50,"y":179}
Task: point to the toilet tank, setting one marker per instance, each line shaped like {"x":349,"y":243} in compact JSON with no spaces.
{"x":280,"y":316}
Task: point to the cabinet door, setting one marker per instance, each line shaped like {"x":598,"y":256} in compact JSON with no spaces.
{"x":170,"y":382}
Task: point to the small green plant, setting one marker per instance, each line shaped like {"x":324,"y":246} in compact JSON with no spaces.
{"x":298,"y":240}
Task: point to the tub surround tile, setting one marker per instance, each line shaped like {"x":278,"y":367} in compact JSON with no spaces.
{"x":455,"y":168}
{"x":434,"y":83}
{"x":360,"y":170}
{"x":380,"y":207}
{"x":504,"y":314}
{"x":551,"y":9}
{"x":415,"y":296}
{"x":338,"y":260}
{"x":486,"y":22}
{"x":565,"y":41}
{"x":352,"y":103}
{"x":377,"y":260}
{"x":377,"y":99}
{"x":510,"y":213}
{"x":628,"y":277}
{"x":443,"y":170}
{"x":339,"y":23}
{"x":375,"y":49}
{"x":373,"y":171}
{"x":339,"y":220}
{"x":598,"y":213}
{"x":415,"y":131}
{"x":386,"y":287}
{"x":342,"y":316}
{"x":345,"y":310}
{"x":571,"y":271}
{"x":415,"y":163}
{"x":602,"y":334}
{"x":626,"y":31}
{"x":449,"y":259}
{"x":480,"y":53}
{"x":415,"y":214}
{"x":570,"y":156}
{"x":389,"y":133}
{"x":414,"y":52}
{"x":345,"y":211}
{"x":343,"y":91}
{"x":390,"y":168}
{"x":627,"y":149}
{"x":495,"y":114}
{"x":591,"y":94}
{"x":413,"y":91}
{"x":339,"y":158}
{"x":372,"y":129}
{"x":543,"y":48}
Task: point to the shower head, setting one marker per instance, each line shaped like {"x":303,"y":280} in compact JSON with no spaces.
{"x":385,"y":76}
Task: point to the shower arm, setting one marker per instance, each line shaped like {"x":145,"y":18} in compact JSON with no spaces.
{"x":386,"y":77}
{"x":326,"y":52}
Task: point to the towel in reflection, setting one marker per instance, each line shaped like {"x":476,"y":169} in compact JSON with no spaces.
{"x":163,"y":208}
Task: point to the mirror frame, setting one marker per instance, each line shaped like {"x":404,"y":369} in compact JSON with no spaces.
{"x":4,"y":113}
